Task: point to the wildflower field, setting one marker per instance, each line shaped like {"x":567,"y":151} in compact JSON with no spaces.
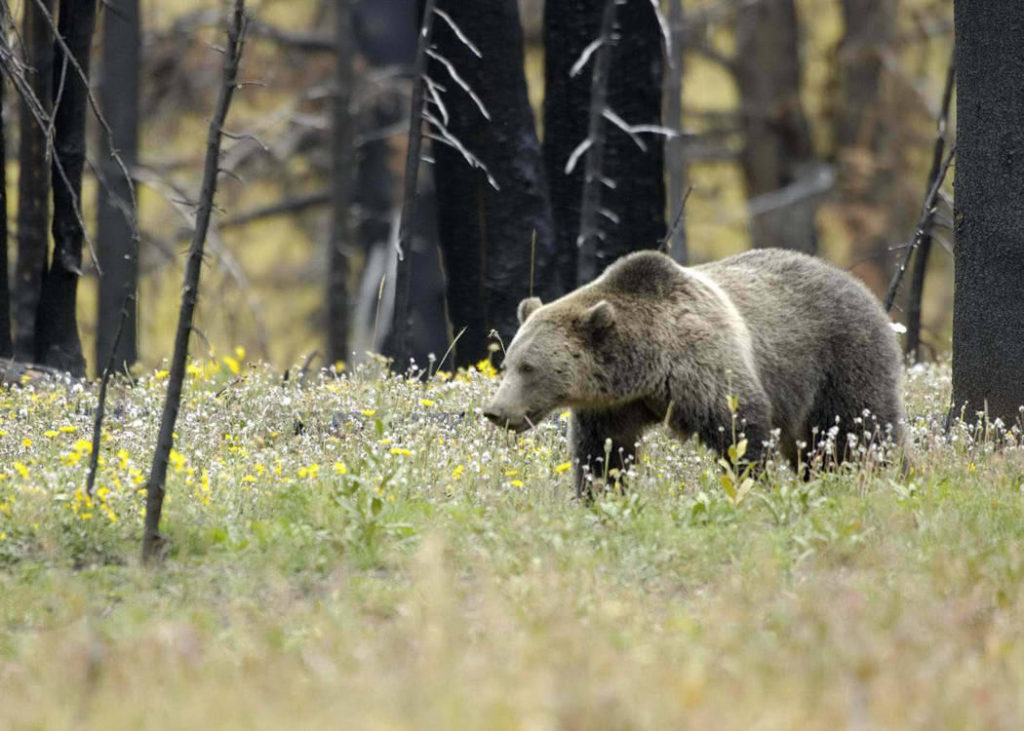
{"x":365,"y":551}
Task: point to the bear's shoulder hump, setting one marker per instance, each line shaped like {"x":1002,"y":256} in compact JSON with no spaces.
{"x":644,"y":272}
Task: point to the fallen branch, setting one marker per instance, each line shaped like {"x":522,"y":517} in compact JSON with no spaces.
{"x":152,"y":541}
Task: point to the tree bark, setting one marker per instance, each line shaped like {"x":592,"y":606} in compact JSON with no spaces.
{"x":116,"y":239}
{"x":342,"y":170}
{"x":675,"y":150}
{"x":6,"y":345}
{"x":865,"y":139}
{"x":57,"y":341}
{"x":33,"y":180}
{"x":637,"y":201}
{"x":778,"y":153}
{"x":988,"y":311}
{"x":493,"y":241}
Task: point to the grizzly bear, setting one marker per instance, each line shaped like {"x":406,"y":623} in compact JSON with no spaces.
{"x":804,"y":347}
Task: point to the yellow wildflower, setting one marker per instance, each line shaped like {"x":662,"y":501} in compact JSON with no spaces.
{"x":401,"y":451}
{"x":563,"y":467}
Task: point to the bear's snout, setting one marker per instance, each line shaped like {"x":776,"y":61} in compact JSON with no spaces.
{"x":507,"y":420}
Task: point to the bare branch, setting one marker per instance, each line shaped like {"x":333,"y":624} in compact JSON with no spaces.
{"x":455,"y":29}
{"x":460,"y":81}
{"x":445,"y":137}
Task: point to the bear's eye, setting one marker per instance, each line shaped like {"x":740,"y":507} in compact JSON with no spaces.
{"x":526,"y":368}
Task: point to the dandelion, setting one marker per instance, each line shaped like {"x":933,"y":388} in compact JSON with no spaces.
{"x":68,"y":429}
{"x":21,"y":469}
{"x":340,"y":468}
{"x":516,"y":483}
{"x":51,"y":433}
{"x":401,"y":451}
{"x":161,"y":375}
{"x":457,"y":472}
{"x":486,"y":368}
{"x":26,"y":442}
{"x":368,"y":412}
{"x":562,"y":467}
{"x":232,"y":364}
{"x":427,"y":402}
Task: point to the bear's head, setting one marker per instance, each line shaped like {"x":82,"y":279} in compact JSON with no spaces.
{"x":552,"y":360}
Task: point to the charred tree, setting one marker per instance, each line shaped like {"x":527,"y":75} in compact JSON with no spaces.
{"x":403,"y":314}
{"x":6,"y":345}
{"x":152,"y":541}
{"x":57,"y":342}
{"x":117,"y":231}
{"x":34,"y":178}
{"x":342,"y":170}
{"x":782,"y":175}
{"x":988,"y":311}
{"x":675,"y":152}
{"x":633,"y":195}
{"x":493,"y":217}
{"x":866,"y":145}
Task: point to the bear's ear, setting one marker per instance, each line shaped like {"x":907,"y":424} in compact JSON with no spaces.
{"x":527,"y":307}
{"x":598,"y":318}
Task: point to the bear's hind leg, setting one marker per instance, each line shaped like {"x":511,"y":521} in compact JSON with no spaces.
{"x":589,"y":433}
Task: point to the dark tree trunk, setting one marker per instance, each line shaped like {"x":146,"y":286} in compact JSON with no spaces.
{"x":778,"y":160}
{"x":675,"y":151}
{"x":116,"y":240}
{"x":6,"y":345}
{"x":865,"y":139}
{"x":342,"y":170}
{"x":988,"y":311}
{"x":57,"y":341}
{"x":637,"y":202}
{"x":33,"y":180}
{"x":152,"y":542}
{"x":492,"y":240}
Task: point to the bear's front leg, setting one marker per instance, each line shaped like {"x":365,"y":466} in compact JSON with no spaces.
{"x":589,"y":432}
{"x":752,"y":423}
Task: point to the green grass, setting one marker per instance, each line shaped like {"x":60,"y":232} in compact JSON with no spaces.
{"x":346,"y":553}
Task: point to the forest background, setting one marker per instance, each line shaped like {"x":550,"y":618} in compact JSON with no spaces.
{"x":264,"y":287}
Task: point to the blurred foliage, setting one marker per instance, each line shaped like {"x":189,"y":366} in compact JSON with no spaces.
{"x":263,"y":286}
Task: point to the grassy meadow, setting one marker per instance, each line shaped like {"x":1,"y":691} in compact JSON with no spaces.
{"x":364,"y":551}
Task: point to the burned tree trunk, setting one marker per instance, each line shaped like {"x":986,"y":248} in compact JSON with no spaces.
{"x":493,"y":218}
{"x":633,"y":196}
{"x":988,"y":311}
{"x":342,"y":170}
{"x":34,"y":178}
{"x":57,"y":341}
{"x":675,"y":152}
{"x":783,"y":178}
{"x":6,"y":346}
{"x":867,"y":153}
{"x":152,"y":541}
{"x":117,"y":237}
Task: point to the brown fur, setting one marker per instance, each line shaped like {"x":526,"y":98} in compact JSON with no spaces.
{"x":799,"y":342}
